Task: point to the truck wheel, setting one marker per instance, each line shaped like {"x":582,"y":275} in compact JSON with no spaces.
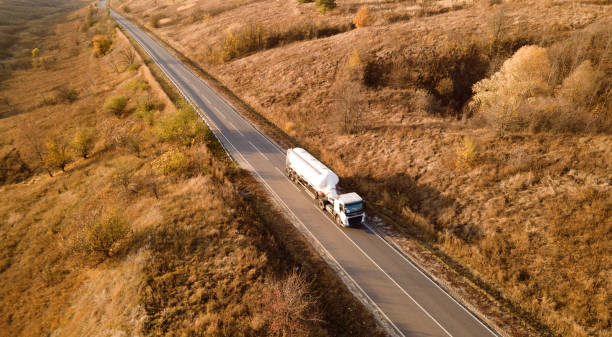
{"x":338,"y":221}
{"x":321,"y":204}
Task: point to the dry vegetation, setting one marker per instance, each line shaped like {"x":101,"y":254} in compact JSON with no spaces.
{"x":484,"y":126}
{"x":119,"y":216}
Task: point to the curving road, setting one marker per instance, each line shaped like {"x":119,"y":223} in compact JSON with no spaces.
{"x":407,"y":299}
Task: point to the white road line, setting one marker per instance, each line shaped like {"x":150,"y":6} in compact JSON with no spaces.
{"x":309,"y":193}
{"x":259,"y":151}
{"x":235,"y":128}
{"x":384,"y":272}
{"x":376,"y":233}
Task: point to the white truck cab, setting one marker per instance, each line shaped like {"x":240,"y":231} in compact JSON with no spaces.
{"x":348,"y":210}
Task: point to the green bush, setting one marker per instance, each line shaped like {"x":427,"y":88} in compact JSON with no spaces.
{"x":115,"y":105}
{"x":133,"y":67}
{"x":138,"y":84}
{"x":146,"y":109}
{"x":183,"y":127}
{"x":325,"y":5}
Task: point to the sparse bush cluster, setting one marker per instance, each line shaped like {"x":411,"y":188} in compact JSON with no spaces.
{"x":254,"y":37}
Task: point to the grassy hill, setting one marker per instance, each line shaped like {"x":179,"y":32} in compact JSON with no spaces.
{"x":483,"y":126}
{"x":121,"y":216}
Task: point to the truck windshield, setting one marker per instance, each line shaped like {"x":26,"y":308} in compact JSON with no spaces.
{"x":354,"y":207}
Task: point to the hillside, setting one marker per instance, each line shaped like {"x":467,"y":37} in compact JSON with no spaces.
{"x":120,"y":215}
{"x":484,"y":127}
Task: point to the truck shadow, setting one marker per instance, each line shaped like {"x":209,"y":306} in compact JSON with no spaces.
{"x":421,"y":209}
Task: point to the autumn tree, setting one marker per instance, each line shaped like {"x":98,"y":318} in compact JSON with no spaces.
{"x":83,"y":142}
{"x":503,"y":96}
{"x":363,"y":17}
{"x":101,"y":45}
{"x":56,"y":154}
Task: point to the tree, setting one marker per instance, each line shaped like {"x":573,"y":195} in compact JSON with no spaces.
{"x":57,"y":154}
{"x":83,"y":142}
{"x":101,"y":45}
{"x":348,"y":104}
{"x":32,"y":146}
{"x":128,"y":56}
{"x":35,"y":52}
{"x":523,"y":76}
{"x":363,"y":17}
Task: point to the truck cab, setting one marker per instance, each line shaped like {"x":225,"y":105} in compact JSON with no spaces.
{"x":348,"y":209}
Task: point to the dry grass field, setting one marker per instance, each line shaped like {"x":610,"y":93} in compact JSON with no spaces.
{"x":120,"y":217}
{"x":485,"y":126}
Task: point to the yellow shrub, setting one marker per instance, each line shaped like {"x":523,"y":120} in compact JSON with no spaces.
{"x":290,"y":127}
{"x":101,"y":45}
{"x":363,"y":17}
{"x":354,"y":60}
{"x":580,"y":86}
{"x":466,"y":153}
{"x":172,"y":162}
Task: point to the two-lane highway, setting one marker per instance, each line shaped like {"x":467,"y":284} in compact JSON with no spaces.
{"x":410,"y":301}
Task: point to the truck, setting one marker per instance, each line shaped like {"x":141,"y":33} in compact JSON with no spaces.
{"x":304,"y":169}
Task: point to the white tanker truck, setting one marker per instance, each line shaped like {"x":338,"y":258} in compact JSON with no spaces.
{"x":304,"y":169}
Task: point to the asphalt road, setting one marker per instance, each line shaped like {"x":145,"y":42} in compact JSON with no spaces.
{"x":412,"y":303}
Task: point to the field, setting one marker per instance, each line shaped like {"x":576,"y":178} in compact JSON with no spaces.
{"x":484,"y":127}
{"x":120,"y":215}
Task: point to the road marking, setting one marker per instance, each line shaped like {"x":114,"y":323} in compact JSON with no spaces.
{"x":384,"y":272}
{"x":400,"y":254}
{"x":259,"y":151}
{"x":235,"y":128}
